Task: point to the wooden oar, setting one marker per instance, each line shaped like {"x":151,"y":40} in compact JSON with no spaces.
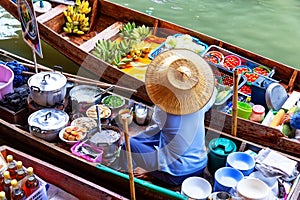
{"x":234,"y":102}
{"x":129,"y":158}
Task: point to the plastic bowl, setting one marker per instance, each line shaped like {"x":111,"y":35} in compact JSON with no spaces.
{"x":113,"y":101}
{"x":242,"y":69}
{"x":196,"y":188}
{"x":262,"y":70}
{"x":244,"y":110}
{"x":69,"y":137}
{"x":227,"y":178}
{"x":6,"y":81}
{"x":231,"y":61}
{"x":241,"y":161}
{"x":253,"y":188}
{"x":214,"y":57}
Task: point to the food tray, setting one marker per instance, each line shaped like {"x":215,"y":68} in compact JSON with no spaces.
{"x":220,"y":72}
{"x":244,"y":61}
{"x":76,"y":151}
{"x":162,"y":47}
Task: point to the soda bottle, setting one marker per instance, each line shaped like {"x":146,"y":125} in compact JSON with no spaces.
{"x":32,"y":183}
{"x":11,"y":166}
{"x":6,"y":184}
{"x":21,"y":173}
{"x":17,"y":193}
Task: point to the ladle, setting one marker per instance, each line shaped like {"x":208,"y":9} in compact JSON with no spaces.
{"x":98,"y":118}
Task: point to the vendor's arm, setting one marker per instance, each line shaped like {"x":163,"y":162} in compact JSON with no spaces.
{"x":295,"y":120}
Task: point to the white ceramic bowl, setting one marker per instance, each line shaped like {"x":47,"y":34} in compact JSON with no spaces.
{"x":253,"y":189}
{"x":71,"y":140}
{"x":196,"y":188}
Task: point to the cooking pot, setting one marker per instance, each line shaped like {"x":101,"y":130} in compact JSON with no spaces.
{"x":109,"y":140}
{"x":46,"y":123}
{"x":47,"y":88}
{"x":84,"y":96}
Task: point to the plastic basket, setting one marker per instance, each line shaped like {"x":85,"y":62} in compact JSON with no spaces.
{"x":162,"y":47}
{"x":41,"y":192}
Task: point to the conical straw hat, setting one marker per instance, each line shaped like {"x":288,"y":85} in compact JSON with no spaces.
{"x":179,"y":81}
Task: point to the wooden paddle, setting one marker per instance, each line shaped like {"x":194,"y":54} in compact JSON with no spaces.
{"x":129,"y":158}
{"x":234,"y":102}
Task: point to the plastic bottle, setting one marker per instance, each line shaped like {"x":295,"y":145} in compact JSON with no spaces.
{"x":6,"y":184}
{"x":21,"y":173}
{"x":17,"y":193}
{"x":2,"y":196}
{"x":11,"y":166}
{"x":248,"y":101}
{"x":32,"y":183}
{"x":258,"y":113}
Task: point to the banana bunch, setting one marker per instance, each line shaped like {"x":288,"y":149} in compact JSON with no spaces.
{"x":77,"y":21}
{"x":127,"y":29}
{"x":141,"y":32}
{"x":105,"y":50}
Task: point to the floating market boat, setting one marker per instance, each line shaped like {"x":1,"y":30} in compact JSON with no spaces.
{"x":15,"y":131}
{"x":58,"y":182}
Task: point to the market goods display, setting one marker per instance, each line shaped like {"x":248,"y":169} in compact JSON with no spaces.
{"x":130,"y":47}
{"x":77,"y":21}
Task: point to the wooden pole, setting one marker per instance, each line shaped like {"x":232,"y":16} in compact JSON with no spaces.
{"x":129,"y":158}
{"x":234,"y":102}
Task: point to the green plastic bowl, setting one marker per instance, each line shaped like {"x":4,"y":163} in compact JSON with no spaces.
{"x":244,"y":110}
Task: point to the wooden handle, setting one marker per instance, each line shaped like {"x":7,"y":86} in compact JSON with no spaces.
{"x":234,"y":102}
{"x":129,"y":158}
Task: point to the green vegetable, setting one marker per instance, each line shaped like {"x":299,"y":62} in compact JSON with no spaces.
{"x":288,"y":131}
{"x":113,"y":101}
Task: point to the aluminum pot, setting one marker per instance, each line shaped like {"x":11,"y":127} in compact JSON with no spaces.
{"x":47,"y":88}
{"x":46,"y":123}
{"x":109,"y":141}
{"x":84,"y":96}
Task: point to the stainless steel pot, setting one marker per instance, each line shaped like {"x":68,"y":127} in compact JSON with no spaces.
{"x":46,"y":123}
{"x":84,"y":96}
{"x":47,"y":88}
{"x":109,"y":140}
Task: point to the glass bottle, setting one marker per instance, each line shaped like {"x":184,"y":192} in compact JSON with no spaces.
{"x":21,"y":173}
{"x":1,"y":180}
{"x":6,"y":184}
{"x":258,"y":113}
{"x":2,"y":196}
{"x":11,"y":166}
{"x":32,"y":183}
{"x":17,"y":193}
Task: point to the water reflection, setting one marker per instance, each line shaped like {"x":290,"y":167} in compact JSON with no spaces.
{"x":9,"y":26}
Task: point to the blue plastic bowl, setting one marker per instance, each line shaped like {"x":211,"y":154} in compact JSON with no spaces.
{"x":241,"y":161}
{"x":227,"y":178}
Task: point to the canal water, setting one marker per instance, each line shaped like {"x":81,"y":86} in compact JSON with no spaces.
{"x":269,"y":28}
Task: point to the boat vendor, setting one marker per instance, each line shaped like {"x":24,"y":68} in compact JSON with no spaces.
{"x":293,"y":119}
{"x":181,"y":85}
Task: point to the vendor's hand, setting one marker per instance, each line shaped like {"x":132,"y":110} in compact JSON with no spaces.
{"x":287,"y":118}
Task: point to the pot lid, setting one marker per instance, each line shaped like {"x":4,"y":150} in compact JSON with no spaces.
{"x":48,"y":119}
{"x":275,"y":96}
{"x":47,"y":81}
{"x":222,"y":146}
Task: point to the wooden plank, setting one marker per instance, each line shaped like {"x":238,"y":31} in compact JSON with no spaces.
{"x":52,"y":13}
{"x":108,"y":33}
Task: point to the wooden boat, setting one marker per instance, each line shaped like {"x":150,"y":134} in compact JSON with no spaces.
{"x":59,"y":178}
{"x":14,"y":132}
{"x":106,"y":22}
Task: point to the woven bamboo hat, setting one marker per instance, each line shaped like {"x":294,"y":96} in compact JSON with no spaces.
{"x":179,"y":81}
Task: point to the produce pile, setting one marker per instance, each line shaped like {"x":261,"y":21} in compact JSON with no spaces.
{"x":131,"y":46}
{"x":76,"y":20}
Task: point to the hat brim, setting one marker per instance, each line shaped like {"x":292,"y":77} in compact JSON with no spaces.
{"x":168,"y":87}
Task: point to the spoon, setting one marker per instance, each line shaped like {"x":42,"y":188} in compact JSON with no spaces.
{"x":98,"y":118}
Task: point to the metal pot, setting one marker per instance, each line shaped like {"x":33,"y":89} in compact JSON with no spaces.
{"x":46,"y":123}
{"x":109,"y":145}
{"x":84,"y":96}
{"x":47,"y":88}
